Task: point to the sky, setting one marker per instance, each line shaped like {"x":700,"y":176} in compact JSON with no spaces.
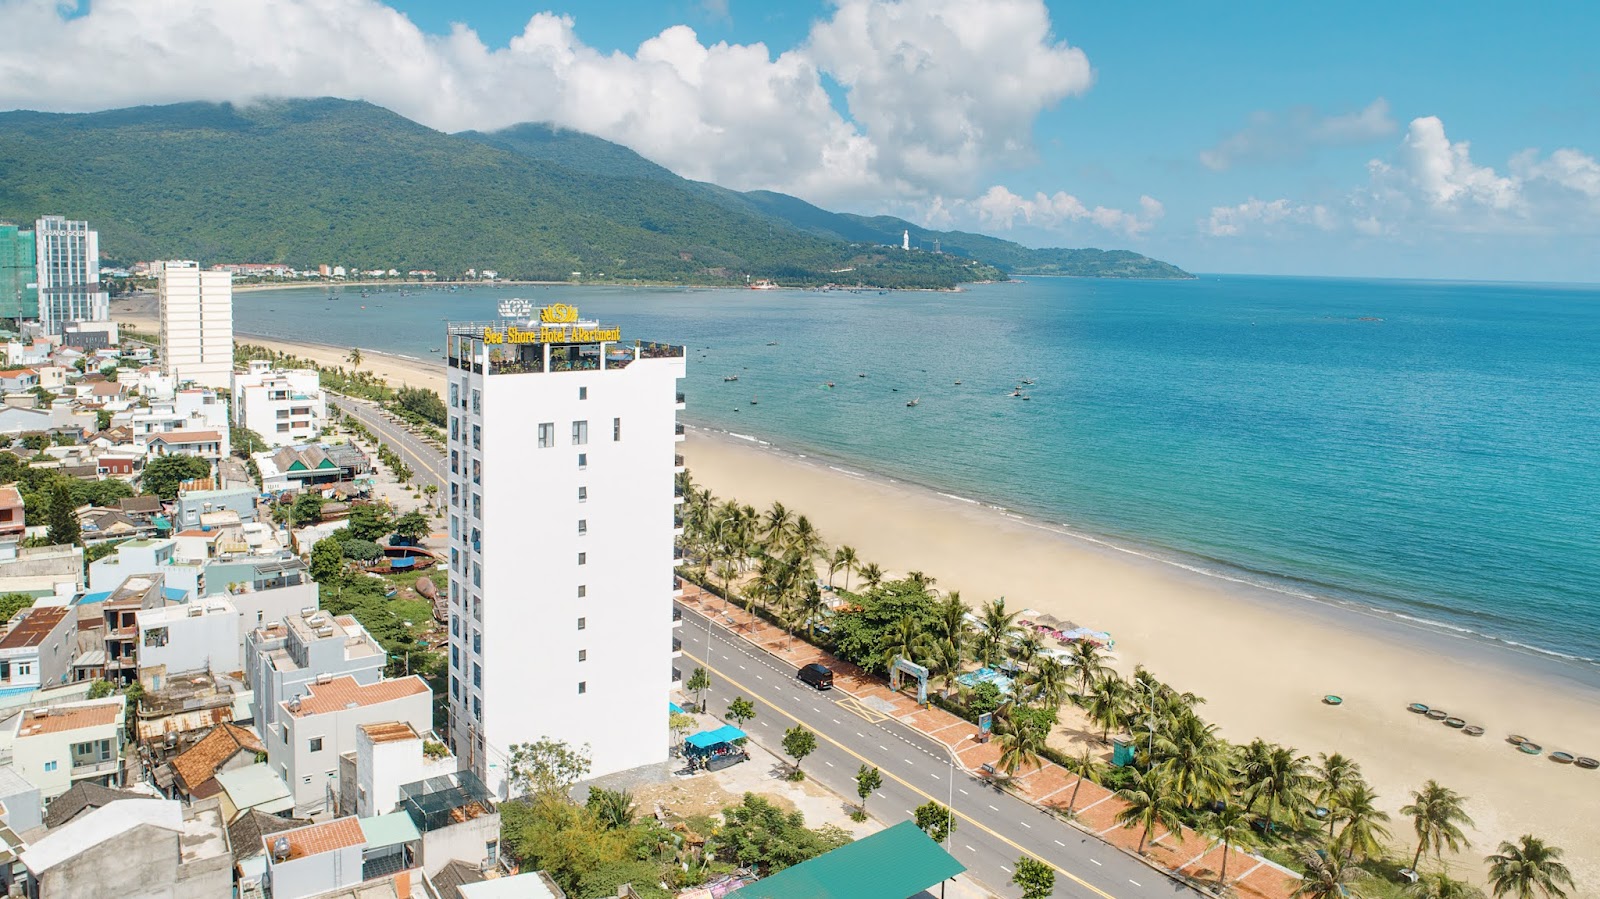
{"x":1351,"y":139}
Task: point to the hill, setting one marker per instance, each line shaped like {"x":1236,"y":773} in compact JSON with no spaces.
{"x":311,"y":181}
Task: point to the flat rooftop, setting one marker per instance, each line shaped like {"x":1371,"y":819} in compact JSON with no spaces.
{"x":36,"y":624}
{"x":63,"y":718}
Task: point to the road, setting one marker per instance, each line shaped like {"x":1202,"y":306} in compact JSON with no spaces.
{"x":426,"y":462}
{"x":993,"y":828}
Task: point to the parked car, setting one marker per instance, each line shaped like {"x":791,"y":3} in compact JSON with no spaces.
{"x":817,"y":675}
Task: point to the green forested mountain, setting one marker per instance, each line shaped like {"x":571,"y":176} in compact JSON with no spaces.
{"x":313,"y":181}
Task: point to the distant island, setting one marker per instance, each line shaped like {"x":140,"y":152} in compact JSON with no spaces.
{"x":341,"y":182}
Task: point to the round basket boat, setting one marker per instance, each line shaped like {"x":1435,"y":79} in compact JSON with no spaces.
{"x":1516,"y":739}
{"x":1587,"y":763}
{"x":1331,"y":699}
{"x":1418,"y":708}
{"x":1530,"y":748}
{"x":1438,"y":714}
{"x":1563,"y":758}
{"x":1455,"y":722}
{"x":1472,"y":730}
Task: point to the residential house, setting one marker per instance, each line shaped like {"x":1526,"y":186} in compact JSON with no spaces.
{"x":81,"y":798}
{"x":211,"y":446}
{"x":389,"y":755}
{"x":120,"y":617}
{"x":99,"y":525}
{"x":200,"y":635}
{"x":254,"y":788}
{"x":57,"y":746}
{"x":40,"y":570}
{"x":310,"y":465}
{"x":135,"y":848}
{"x":284,"y":407}
{"x":149,"y":558}
{"x":179,"y":709}
{"x":18,"y":380}
{"x":192,"y":504}
{"x":227,"y":748}
{"x":528,"y":885}
{"x":320,"y":859}
{"x":247,"y":831}
{"x":284,"y":659}
{"x":51,"y":377}
{"x":37,"y":649}
{"x":121,"y":467}
{"x":11,"y":513}
{"x":313,"y":731}
{"x":21,"y":806}
{"x":190,"y":409}
{"x":90,"y":335}
{"x":144,"y":507}
{"x":457,"y":818}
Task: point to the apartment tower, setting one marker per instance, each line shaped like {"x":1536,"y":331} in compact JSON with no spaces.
{"x":563,"y":513}
{"x":196,"y":324}
{"x":67,"y":263}
{"x":19,"y":283}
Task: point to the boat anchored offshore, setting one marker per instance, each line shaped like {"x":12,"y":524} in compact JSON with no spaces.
{"x":915,"y":401}
{"x":727,"y":378}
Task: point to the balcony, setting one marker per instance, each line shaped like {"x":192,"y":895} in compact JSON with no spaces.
{"x":677,"y":586}
{"x":681,"y":400}
{"x":677,"y":617}
{"x":677,"y":461}
{"x":677,"y":647}
{"x":94,"y":768}
{"x":677,"y":556}
{"x":678,"y":433}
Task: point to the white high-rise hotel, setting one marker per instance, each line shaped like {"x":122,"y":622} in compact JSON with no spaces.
{"x":196,"y":324}
{"x":563,"y":514}
{"x":68,"y":263}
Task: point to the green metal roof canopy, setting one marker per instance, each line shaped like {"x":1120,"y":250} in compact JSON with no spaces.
{"x":893,"y":864}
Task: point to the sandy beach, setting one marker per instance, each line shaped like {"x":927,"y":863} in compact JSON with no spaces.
{"x":1262,"y":662}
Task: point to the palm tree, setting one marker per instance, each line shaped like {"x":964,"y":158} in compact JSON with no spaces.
{"x":804,"y":539}
{"x":354,"y":358}
{"x":1327,"y":876}
{"x":871,"y":575}
{"x":921,"y":581}
{"x":845,"y":558}
{"x":1527,"y":869}
{"x":1048,"y":680}
{"x":1335,"y":775}
{"x":1437,"y":816}
{"x":1027,"y":648}
{"x":947,"y":657}
{"x":995,"y":632}
{"x":1230,"y":828}
{"x":809,"y":606}
{"x":1150,"y":802}
{"x":1107,"y":703}
{"x":903,"y":638}
{"x":775,"y":527}
{"x":1442,"y":886}
{"x":1020,"y":746}
{"x":1194,"y":761}
{"x":1280,"y":777}
{"x":1086,"y":768}
{"x":1087,"y":664}
{"x":1363,"y":829}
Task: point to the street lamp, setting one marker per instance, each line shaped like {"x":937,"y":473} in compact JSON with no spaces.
{"x":1150,"y":750}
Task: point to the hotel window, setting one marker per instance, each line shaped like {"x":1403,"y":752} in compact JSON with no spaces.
{"x":455,"y":527}
{"x":477,"y":401}
{"x":477,"y":472}
{"x":455,"y":462}
{"x":455,"y":626}
{"x":316,"y":744}
{"x":583,"y":526}
{"x":583,"y":655}
{"x":583,"y":687}
{"x":477,"y":708}
{"x":455,"y":395}
{"x":455,"y":428}
{"x":477,"y":575}
{"x":455,"y":688}
{"x":477,"y":675}
{"x":583,"y":461}
{"x":477,"y":437}
{"x":477,"y":608}
{"x":583,"y":624}
{"x":583,"y":590}
{"x":580,"y":433}
{"x":455,"y":494}
{"x":583,"y":494}
{"x":547,"y":434}
{"x":477,"y":540}
{"x":49,"y":766}
{"x":477,"y":505}
{"x":455,"y":657}
{"x":477,"y":642}
{"x":583,"y":558}
{"x":583,"y":393}
{"x":616,"y":429}
{"x":455,"y":559}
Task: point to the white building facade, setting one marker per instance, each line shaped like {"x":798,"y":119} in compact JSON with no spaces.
{"x":67,"y":254}
{"x":284,"y":407}
{"x":196,"y":324}
{"x":562,"y":457}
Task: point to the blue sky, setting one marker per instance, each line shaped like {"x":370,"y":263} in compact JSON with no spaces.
{"x":1407,"y":140}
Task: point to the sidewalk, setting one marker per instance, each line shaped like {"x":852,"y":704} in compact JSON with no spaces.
{"x":1047,"y":785}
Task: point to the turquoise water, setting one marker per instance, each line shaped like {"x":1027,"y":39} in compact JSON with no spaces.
{"x":1429,"y":449}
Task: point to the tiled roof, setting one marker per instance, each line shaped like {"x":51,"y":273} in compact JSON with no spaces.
{"x":455,"y":874}
{"x":81,"y":796}
{"x":10,"y":496}
{"x":187,"y":437}
{"x":245,"y":833}
{"x":67,"y":718}
{"x":36,"y":624}
{"x":344,"y":692}
{"x":316,"y":839}
{"x":389,"y":732}
{"x":200,"y":763}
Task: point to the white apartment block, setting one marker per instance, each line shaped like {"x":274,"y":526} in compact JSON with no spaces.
{"x":67,"y":254}
{"x":562,"y":520}
{"x":196,"y":324}
{"x":190,"y":412}
{"x":200,"y":635}
{"x":284,"y":659}
{"x":284,"y":407}
{"x":58,"y":746}
{"x":37,"y":649}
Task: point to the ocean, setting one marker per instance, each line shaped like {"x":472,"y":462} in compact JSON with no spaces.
{"x":1427,"y":449}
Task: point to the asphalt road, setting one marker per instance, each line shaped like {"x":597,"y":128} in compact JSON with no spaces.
{"x":993,"y":828}
{"x":425,"y":461}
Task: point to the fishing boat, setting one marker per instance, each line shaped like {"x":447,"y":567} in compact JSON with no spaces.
{"x":1015,"y":391}
{"x":727,"y":378}
{"x":829,"y":385}
{"x":1028,"y":381}
{"x":958,"y":383}
{"x":915,"y":401}
{"x":861,"y":374}
{"x":754,"y":401}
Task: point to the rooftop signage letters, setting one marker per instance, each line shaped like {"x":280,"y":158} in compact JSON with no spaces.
{"x":557,"y":324}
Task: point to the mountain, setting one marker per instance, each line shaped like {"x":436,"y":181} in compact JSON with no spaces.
{"x":342,"y":182}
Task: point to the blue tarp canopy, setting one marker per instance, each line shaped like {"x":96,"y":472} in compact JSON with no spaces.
{"x":709,"y":738}
{"x":675,"y":708}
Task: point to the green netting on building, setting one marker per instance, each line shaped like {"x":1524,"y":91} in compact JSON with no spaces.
{"x":19,"y":294}
{"x":892,"y":864}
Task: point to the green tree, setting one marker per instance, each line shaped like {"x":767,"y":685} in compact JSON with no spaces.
{"x":935,"y":820}
{"x":1087,"y":768}
{"x":1528,"y":869}
{"x":1327,"y":876}
{"x":1150,"y":801}
{"x":614,"y":808}
{"x":1036,"y":879}
{"x":163,"y":474}
{"x":546,"y":766}
{"x":741,"y":710}
{"x":102,"y":418}
{"x":797,"y":744}
{"x":1363,"y":832}
{"x":871,"y":575}
{"x":12,"y":603}
{"x":1437,"y":817}
{"x":1277,"y":776}
{"x":327,"y":561}
{"x":1107,"y":703}
{"x":1021,"y":743}
{"x":354,"y":358}
{"x":761,"y":835}
{"x":1230,"y":828}
{"x":1335,"y":775}
{"x":1442,"y":886}
{"x":360,"y":550}
{"x":413,"y":526}
{"x":422,"y":403}
{"x":368,"y":521}
{"x":698,"y":683}
{"x":307,"y":509}
{"x":868,"y":780}
{"x":64,"y":527}
{"x":100,"y":689}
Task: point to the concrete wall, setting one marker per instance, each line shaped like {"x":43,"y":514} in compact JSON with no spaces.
{"x":313,"y":775}
{"x":140,"y":864}
{"x":207,"y":641}
{"x":465,"y":841}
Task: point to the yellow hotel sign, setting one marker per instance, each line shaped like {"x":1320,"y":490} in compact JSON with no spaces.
{"x":557,"y":324}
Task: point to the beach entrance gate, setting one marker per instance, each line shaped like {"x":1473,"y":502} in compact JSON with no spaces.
{"x":902,"y":664}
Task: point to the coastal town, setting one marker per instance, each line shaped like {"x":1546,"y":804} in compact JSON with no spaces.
{"x":275,"y":627}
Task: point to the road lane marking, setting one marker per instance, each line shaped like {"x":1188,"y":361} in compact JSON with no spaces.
{"x":1135,"y":882}
{"x":936,"y":777}
{"x":838,"y":722}
{"x":994,"y":808}
{"x":1096,"y":861}
{"x":964,"y":792}
{"x":969,"y":848}
{"x":1059,"y":843}
{"x":1026,"y":824}
{"x":1005,"y":869}
{"x":828,"y":763}
{"x":907,"y":784}
{"x":910,"y":762}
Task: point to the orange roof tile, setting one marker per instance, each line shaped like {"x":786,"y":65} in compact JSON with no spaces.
{"x":61,"y":719}
{"x":316,"y":839}
{"x":201,"y":761}
{"x":389,"y":732}
{"x":187,"y":437}
{"x":34,"y":627}
{"x":343,"y":692}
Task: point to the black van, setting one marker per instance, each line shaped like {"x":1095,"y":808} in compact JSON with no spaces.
{"x":817,"y":675}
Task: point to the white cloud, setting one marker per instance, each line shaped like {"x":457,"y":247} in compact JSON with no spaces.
{"x":938,"y":90}
{"x":998,"y":208}
{"x":1275,"y":137}
{"x":1432,"y":185}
